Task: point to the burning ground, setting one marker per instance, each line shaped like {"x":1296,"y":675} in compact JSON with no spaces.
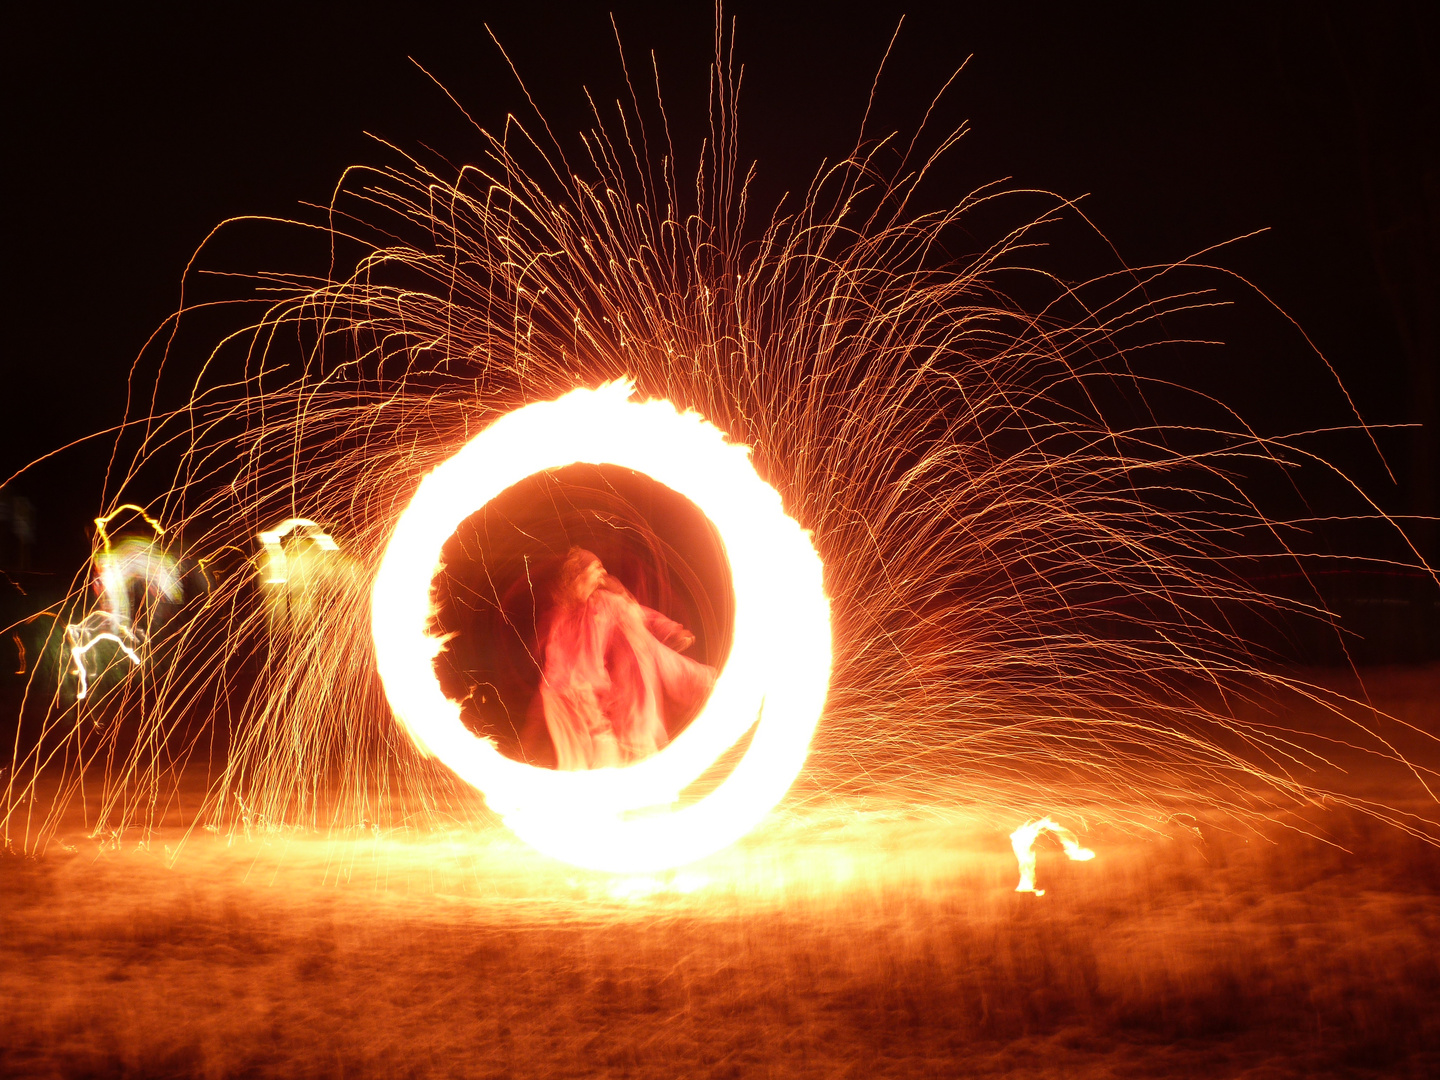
{"x":859,"y":939}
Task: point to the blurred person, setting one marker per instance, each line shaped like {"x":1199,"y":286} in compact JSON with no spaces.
{"x":611,"y":670}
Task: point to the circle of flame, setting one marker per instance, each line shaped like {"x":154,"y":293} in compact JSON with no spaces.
{"x":775,"y":679}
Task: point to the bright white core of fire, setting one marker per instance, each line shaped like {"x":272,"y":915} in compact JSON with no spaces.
{"x":624,"y":819}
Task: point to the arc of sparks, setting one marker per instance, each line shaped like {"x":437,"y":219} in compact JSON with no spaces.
{"x":976,"y":499}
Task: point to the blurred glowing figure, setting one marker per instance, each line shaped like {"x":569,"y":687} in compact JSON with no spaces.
{"x":132,"y":561}
{"x":300,"y":560}
{"x":611,"y":670}
{"x":119,"y":568}
{"x":1023,"y":841}
{"x":278,"y":569}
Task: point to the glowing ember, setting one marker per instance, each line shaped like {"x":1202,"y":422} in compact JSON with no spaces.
{"x":777,"y":674}
{"x":1023,"y":841}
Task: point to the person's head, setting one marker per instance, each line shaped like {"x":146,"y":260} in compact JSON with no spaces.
{"x":580,"y":575}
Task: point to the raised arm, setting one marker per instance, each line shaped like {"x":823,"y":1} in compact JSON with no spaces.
{"x":667,"y":630}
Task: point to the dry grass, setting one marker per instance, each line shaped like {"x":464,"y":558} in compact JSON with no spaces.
{"x":884,"y":946}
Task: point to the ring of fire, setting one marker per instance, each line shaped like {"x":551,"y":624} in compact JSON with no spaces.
{"x":775,"y":679}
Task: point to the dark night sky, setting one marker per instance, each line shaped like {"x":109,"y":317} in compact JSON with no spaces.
{"x":132,"y":132}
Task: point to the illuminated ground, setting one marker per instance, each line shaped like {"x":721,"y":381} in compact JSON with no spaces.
{"x":844,"y":941}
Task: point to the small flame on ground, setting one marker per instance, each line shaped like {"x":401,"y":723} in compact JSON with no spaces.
{"x":1023,"y":841}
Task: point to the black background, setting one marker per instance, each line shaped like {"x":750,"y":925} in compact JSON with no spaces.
{"x":132,"y":131}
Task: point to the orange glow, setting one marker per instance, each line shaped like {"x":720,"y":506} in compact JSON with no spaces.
{"x":778,"y":685}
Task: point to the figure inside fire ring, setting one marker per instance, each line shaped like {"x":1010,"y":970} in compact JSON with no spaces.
{"x":611,"y":671}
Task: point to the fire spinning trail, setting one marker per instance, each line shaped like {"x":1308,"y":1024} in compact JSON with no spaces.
{"x":1032,"y":582}
{"x":778,"y":668}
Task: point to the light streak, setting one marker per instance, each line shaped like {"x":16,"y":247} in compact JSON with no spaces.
{"x":779,"y":659}
{"x":96,"y":627}
{"x":640,"y":887}
{"x":102,"y":524}
{"x":1023,"y":841}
